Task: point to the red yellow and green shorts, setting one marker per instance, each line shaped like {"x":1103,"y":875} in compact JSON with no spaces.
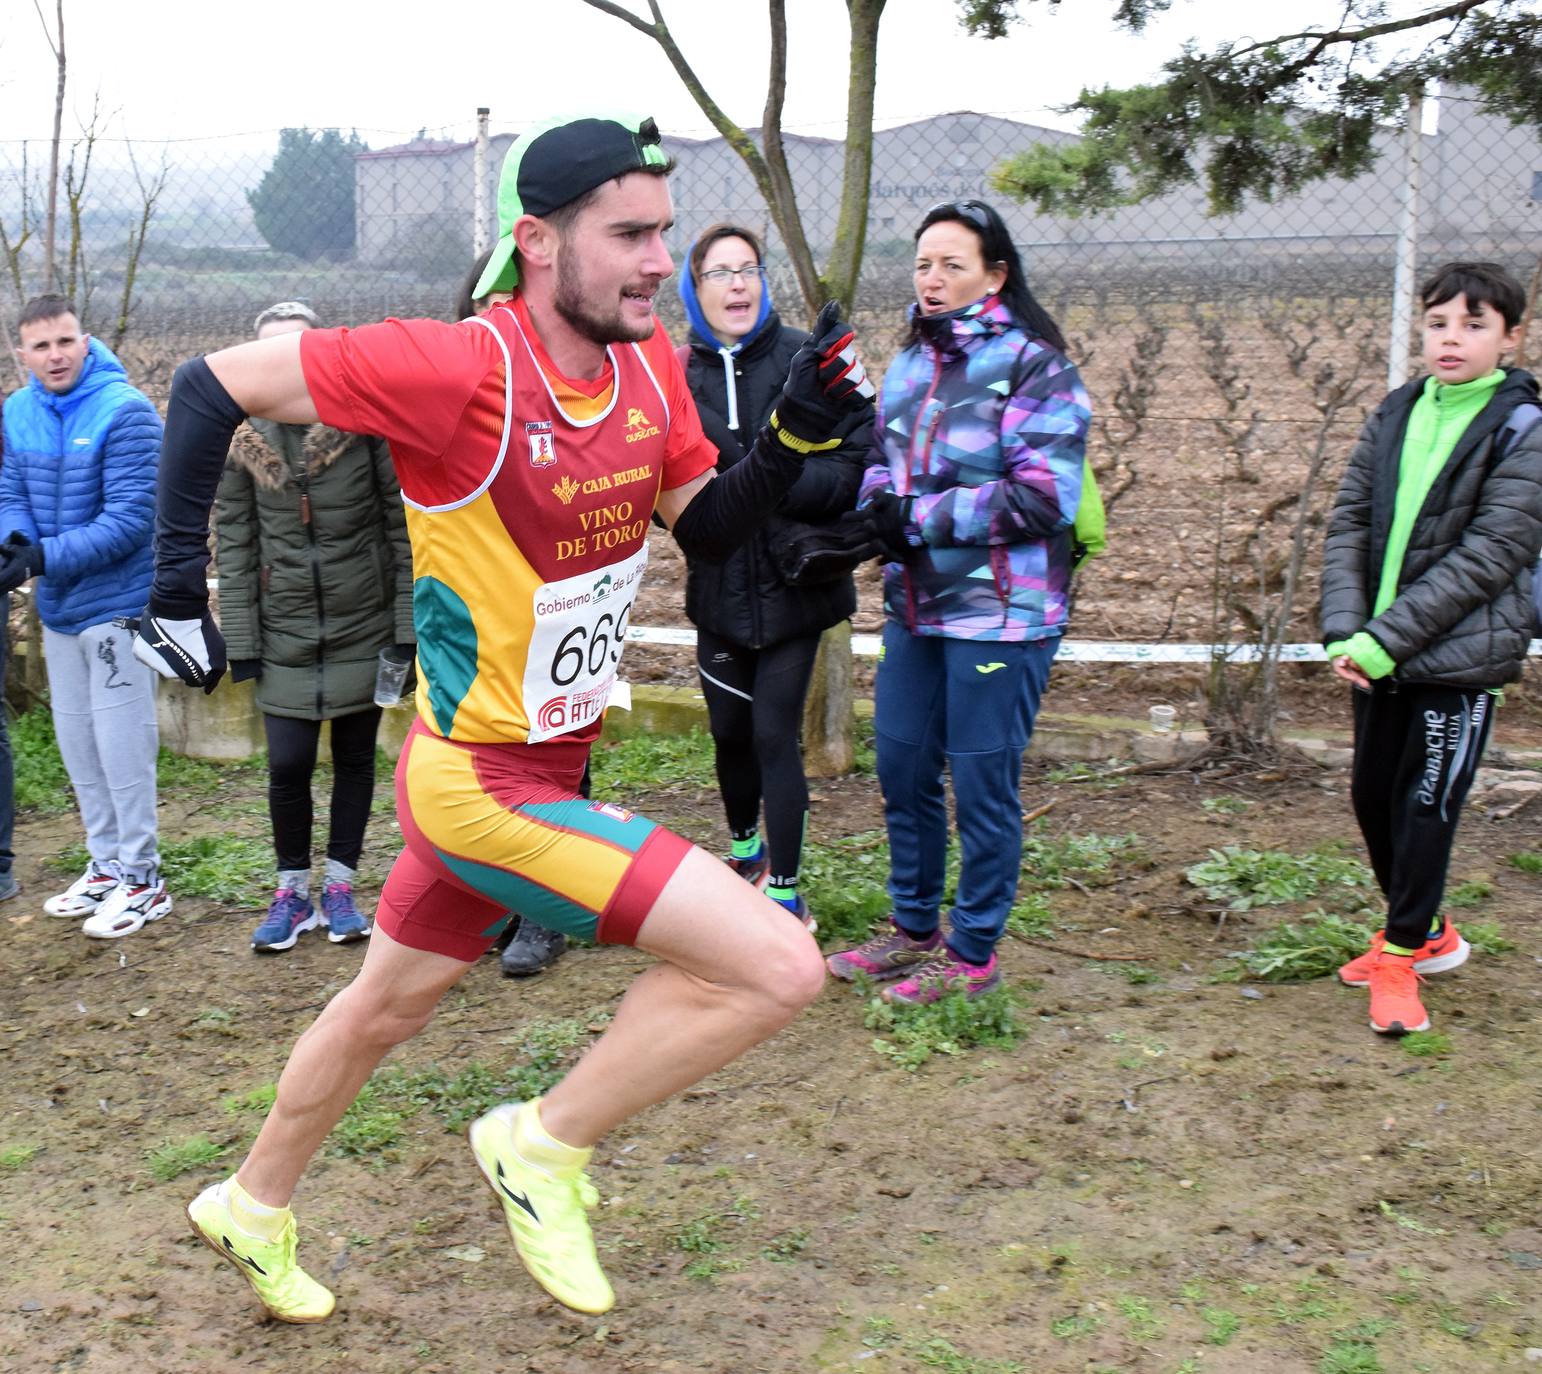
{"x":495,"y":831}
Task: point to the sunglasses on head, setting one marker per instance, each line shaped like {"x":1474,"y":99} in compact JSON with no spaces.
{"x":974,"y":212}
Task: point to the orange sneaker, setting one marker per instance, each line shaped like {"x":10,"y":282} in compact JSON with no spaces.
{"x":1441,"y":955}
{"x":1395,"y":1005}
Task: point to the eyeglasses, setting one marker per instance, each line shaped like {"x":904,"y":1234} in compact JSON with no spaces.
{"x":720,"y":276}
{"x":975,"y":212}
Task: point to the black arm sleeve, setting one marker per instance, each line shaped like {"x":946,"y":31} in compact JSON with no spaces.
{"x":735,"y":504}
{"x":201,"y":417}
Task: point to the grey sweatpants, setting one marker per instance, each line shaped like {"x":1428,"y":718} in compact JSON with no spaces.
{"x":103,"y":702}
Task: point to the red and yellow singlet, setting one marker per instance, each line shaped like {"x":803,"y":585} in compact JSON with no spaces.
{"x":528,"y":500}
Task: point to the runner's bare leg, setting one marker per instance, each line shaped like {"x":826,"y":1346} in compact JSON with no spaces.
{"x":737,"y":969}
{"x":391,"y":1000}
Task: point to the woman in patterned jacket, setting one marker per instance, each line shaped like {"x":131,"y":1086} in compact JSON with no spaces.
{"x":979,"y":447}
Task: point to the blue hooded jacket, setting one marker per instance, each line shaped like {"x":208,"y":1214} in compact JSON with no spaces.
{"x":79,"y":478}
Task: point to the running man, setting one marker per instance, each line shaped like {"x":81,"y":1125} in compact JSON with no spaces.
{"x":533,"y":444}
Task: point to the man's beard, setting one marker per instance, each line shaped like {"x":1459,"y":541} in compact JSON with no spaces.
{"x":595,"y":325}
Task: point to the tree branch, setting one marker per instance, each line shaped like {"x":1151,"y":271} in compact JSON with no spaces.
{"x":1340,"y":36}
{"x":626,"y":16}
{"x":784,"y":210}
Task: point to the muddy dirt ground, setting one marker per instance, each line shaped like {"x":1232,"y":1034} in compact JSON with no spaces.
{"x":1165,"y":1173}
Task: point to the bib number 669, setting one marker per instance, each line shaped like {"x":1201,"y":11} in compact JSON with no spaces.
{"x":589,"y":647}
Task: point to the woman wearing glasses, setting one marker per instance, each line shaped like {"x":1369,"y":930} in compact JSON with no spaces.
{"x":757,"y":622}
{"x":981,"y":432}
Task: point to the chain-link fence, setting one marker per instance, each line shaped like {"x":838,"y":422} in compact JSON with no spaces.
{"x":1229,"y":358}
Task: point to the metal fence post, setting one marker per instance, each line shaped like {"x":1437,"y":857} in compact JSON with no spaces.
{"x":479,"y":207}
{"x":1398,"y":346}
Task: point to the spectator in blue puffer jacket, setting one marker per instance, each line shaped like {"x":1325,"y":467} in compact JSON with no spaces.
{"x":77,"y":497}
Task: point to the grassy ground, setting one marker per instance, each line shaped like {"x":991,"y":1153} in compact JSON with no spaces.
{"x":1170,"y":1144}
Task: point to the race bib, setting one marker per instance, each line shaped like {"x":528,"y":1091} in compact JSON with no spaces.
{"x":580,"y":628}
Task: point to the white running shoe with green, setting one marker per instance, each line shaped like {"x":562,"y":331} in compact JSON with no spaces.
{"x":544,"y":1209}
{"x":285,"y":1289}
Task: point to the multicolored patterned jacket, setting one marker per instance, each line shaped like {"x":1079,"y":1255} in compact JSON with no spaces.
{"x":988,"y":431}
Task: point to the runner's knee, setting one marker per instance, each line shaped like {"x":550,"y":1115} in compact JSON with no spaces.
{"x":384,"y":1019}
{"x":792,"y":972}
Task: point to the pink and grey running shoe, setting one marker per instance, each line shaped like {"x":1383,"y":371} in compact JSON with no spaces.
{"x":943,"y":973}
{"x":884,"y":956}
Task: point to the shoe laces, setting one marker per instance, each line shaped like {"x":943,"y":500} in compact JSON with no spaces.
{"x":1403,"y":977}
{"x":286,"y":904}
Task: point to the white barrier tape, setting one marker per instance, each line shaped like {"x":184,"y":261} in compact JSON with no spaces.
{"x":1071,"y":650}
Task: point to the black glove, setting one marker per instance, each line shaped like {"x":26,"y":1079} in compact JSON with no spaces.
{"x":20,"y":559}
{"x":826,"y":383}
{"x":889,"y":518}
{"x":408,"y":654}
{"x":809,"y":554}
{"x":193,"y":650}
{"x":244,"y":669}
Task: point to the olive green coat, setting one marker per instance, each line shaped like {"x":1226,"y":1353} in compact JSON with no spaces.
{"x":315,"y":571}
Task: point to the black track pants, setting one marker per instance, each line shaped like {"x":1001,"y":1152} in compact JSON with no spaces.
{"x":755,"y":707}
{"x":1416,"y":751}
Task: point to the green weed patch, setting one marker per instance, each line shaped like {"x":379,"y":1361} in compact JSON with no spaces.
{"x":910,"y":1036}
{"x":845,"y":883}
{"x":1312,"y":948}
{"x":393,"y":1097}
{"x":41,"y":782}
{"x":1248,"y":878}
{"x":175,"y":1158}
{"x":653,"y":763}
{"x":223,"y":868}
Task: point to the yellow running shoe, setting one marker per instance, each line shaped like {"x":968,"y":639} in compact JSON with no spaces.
{"x":285,"y":1289}
{"x":544,"y":1206}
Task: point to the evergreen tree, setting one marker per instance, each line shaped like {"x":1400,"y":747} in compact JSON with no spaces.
{"x":1262,"y":118}
{"x":304,"y":204}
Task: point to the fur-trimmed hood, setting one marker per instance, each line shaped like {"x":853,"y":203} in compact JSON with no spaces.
{"x":258,"y":449}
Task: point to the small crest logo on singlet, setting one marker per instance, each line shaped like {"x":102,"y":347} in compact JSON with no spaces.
{"x":638,"y":425}
{"x":616,"y":813}
{"x":565,"y":490}
{"x":543,"y":448}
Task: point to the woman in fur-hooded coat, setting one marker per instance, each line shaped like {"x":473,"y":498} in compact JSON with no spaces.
{"x":315,"y":580}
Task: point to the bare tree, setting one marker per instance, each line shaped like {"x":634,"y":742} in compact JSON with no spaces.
{"x":767,"y":161}
{"x":77,"y":171}
{"x":150,"y":189}
{"x":55,"y":46}
{"x":13,"y":249}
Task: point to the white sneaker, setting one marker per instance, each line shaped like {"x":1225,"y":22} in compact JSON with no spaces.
{"x":127,"y":909}
{"x":85,"y":895}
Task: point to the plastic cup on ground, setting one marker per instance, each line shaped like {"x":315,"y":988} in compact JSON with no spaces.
{"x":1162,"y":718}
{"x":390,"y":677}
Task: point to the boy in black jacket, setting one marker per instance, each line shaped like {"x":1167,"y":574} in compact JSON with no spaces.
{"x":1426,"y":609}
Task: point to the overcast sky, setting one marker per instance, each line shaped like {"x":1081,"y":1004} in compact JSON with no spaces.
{"x":191,"y":69}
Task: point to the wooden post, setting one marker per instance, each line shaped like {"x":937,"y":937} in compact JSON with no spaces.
{"x":827,"y":714}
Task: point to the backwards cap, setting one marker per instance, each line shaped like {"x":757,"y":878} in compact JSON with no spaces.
{"x":555,"y":163}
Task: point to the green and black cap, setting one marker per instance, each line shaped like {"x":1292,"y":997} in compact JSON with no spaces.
{"x":555,"y":163}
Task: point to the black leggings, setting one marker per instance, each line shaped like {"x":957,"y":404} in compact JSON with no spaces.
{"x":292,"y":760}
{"x":1416,"y":752}
{"x":755,"y":707}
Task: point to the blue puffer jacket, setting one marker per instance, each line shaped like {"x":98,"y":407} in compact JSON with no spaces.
{"x":79,"y":477}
